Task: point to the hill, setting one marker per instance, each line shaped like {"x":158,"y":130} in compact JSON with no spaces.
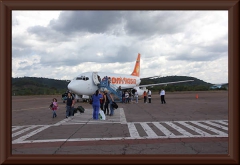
{"x":38,"y":86}
{"x":196,"y":85}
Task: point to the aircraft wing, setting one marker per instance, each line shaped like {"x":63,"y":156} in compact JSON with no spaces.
{"x":152,"y":77}
{"x":175,"y":82}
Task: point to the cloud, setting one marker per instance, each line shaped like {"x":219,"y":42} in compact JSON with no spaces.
{"x":69,"y":42}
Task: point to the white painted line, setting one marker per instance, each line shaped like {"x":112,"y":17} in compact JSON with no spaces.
{"x":195,"y":129}
{"x":163,"y":129}
{"x":210,"y":129}
{"x":132,"y":130}
{"x":31,"y":108}
{"x":30,"y":134}
{"x":122,"y":116}
{"x":216,"y":125}
{"x":62,"y":121}
{"x":148,"y":130}
{"x":103,"y":139}
{"x":223,"y":122}
{"x":15,"y":128}
{"x":179,"y":129}
{"x":22,"y":131}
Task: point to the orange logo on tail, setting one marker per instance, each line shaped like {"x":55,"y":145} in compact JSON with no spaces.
{"x":136,"y":71}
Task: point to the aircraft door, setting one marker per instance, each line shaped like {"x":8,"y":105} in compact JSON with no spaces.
{"x":95,"y":78}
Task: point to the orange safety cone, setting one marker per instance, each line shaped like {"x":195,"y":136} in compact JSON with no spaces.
{"x":196,"y":96}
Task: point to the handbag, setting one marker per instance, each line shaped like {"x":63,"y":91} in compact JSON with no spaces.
{"x":114,"y":104}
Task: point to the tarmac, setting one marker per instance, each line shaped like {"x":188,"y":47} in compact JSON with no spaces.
{"x":189,"y":123}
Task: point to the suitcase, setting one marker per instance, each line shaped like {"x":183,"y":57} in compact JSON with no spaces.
{"x":81,"y":109}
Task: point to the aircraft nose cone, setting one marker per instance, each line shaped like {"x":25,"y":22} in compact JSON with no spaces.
{"x":71,"y":86}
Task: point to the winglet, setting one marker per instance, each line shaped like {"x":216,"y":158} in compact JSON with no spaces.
{"x":136,"y":71}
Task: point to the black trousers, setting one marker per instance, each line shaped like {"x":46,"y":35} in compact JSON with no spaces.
{"x":149,"y":98}
{"x":163,"y":99}
{"x":106,"y":109}
{"x":145,"y":99}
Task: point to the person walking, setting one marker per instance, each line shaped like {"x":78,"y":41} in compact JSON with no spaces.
{"x":162,"y":94}
{"x":136,"y":96}
{"x":96,"y":104}
{"x":145,"y":96}
{"x":69,"y":105}
{"x":54,"y":107}
{"x":149,"y":96}
{"x":126,"y":97}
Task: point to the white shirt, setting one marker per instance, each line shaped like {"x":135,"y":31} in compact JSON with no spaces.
{"x":162,"y":92}
{"x":136,"y":94}
{"x":149,"y":92}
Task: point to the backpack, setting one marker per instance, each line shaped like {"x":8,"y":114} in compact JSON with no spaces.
{"x":51,"y":106}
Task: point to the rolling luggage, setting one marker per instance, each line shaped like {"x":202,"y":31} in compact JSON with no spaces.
{"x":81,"y":109}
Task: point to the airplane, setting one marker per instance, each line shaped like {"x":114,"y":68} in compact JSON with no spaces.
{"x":87,"y":83}
{"x":219,"y":86}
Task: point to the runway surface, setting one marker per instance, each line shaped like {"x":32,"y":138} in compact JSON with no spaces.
{"x":185,"y":125}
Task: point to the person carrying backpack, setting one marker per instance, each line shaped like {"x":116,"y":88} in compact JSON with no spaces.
{"x":69,"y":105}
{"x":54,"y":107}
{"x":110,"y":98}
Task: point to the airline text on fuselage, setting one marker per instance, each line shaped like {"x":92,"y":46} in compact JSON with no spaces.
{"x":120,"y":80}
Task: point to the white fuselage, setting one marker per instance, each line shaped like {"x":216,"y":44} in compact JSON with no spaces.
{"x":84,"y":84}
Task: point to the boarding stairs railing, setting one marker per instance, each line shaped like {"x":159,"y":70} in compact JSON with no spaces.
{"x":112,"y":88}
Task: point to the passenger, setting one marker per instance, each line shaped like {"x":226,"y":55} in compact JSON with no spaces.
{"x":54,"y":107}
{"x":123,"y":97}
{"x":109,"y":81}
{"x":119,"y":89}
{"x":149,"y":96}
{"x":133,"y":94}
{"x":69,"y":105}
{"x":136,"y":96}
{"x":102,"y":101}
{"x":106,"y":103}
{"x":110,"y":99}
{"x":130,"y":97}
{"x":105,"y":80}
{"x":99,"y":79}
{"x":126,"y":97}
{"x":145,"y":96}
{"x":162,"y":94}
{"x":96,"y":104}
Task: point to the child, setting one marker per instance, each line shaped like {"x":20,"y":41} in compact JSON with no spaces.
{"x":54,"y":107}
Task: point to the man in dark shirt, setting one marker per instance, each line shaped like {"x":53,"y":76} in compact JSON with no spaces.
{"x":69,"y":105}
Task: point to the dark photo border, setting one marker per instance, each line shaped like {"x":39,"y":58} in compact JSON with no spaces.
{"x":6,"y":7}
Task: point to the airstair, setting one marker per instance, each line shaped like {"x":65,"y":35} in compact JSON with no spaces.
{"x":103,"y":85}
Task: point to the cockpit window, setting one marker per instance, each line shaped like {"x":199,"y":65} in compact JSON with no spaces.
{"x":82,"y":78}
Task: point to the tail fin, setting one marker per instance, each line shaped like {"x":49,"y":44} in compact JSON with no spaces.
{"x":136,"y":71}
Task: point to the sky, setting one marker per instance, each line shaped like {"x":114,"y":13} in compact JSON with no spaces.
{"x":64,"y":44}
